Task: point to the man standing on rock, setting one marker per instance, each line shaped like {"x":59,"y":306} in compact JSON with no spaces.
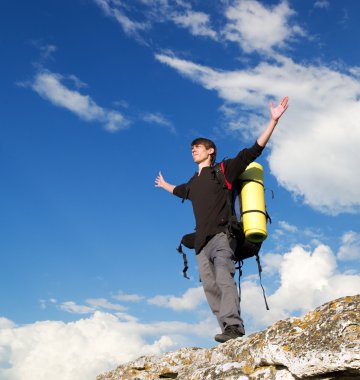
{"x":215,"y":258}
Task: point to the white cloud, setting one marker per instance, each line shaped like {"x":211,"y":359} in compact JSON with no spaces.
{"x":129,"y":26}
{"x":287,"y":227}
{"x":6,"y":323}
{"x":307,"y":280}
{"x":271,"y":263}
{"x":314,"y":152}
{"x":350,"y":248}
{"x":121,"y":296}
{"x":78,"y":350}
{"x":46,"y":50}
{"x":85,"y":348}
{"x":322,"y":4}
{"x":50,"y":87}
{"x":105,"y":304}
{"x":157,"y":11}
{"x":89,"y":346}
{"x":74,"y":308}
{"x":92,"y":305}
{"x":257,"y":27}
{"x":159,"y":119}
{"x":190,"y":300}
{"x":197,"y":22}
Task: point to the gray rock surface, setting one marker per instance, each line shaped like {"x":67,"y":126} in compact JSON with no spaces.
{"x":324,"y":344}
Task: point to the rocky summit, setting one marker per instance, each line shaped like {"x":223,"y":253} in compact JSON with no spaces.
{"x":324,"y":344}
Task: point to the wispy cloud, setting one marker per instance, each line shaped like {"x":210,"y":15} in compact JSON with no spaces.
{"x":287,"y":227}
{"x":350,"y":248}
{"x":104,"y":304}
{"x":74,"y":308}
{"x":198,"y":23}
{"x":50,"y":87}
{"x":138,"y":18}
{"x":113,"y":9}
{"x":91,"y":305}
{"x":287,"y":235}
{"x":159,"y":119}
{"x":322,"y":4}
{"x":313,"y":110}
{"x":46,"y":50}
{"x":121,"y":296}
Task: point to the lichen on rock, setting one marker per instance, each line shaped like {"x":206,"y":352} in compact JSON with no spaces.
{"x":324,"y":344}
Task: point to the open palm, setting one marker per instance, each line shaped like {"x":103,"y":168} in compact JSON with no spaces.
{"x":276,"y":112}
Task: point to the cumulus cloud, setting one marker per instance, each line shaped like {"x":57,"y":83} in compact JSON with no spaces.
{"x":77,"y":350}
{"x":89,"y":346}
{"x":311,"y":154}
{"x":6,"y":323}
{"x":50,"y":87}
{"x":307,"y":278}
{"x":85,"y":348}
{"x":257,"y":27}
{"x":190,"y":300}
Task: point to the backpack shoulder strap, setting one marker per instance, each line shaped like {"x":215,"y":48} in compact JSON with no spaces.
{"x":222,"y":167}
{"x":227,"y":186}
{"x":220,"y":175}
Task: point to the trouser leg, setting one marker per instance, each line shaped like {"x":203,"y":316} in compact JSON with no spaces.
{"x":212,"y":291}
{"x":217,"y":269}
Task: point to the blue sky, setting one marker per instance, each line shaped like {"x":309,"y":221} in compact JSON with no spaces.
{"x":96,"y":97}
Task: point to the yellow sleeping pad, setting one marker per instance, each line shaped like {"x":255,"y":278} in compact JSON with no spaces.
{"x":253,"y":203}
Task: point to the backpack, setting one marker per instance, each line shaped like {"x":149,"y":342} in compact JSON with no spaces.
{"x":243,"y":248}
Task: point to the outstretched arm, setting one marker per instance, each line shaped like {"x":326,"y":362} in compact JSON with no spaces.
{"x":160,"y":182}
{"x":276,"y":113}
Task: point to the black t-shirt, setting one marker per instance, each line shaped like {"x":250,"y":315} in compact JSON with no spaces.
{"x":208,"y":196}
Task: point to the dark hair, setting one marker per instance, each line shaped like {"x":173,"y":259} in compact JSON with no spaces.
{"x":208,"y":144}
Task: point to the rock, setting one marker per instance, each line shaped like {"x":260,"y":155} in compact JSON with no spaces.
{"x":324,"y":344}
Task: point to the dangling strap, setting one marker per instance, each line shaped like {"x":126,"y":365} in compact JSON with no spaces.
{"x":268,"y":217}
{"x":239,"y":276}
{"x":186,"y":267}
{"x":260,"y":270}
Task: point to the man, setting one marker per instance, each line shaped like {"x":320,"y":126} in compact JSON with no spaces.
{"x":215,"y":257}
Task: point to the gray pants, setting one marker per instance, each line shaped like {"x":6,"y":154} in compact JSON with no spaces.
{"x":217,"y":269}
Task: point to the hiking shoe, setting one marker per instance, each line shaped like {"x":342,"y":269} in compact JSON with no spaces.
{"x":231,"y":332}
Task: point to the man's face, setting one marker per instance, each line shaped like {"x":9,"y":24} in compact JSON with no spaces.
{"x":201,"y":154}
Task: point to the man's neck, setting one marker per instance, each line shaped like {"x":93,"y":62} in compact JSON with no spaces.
{"x":203,"y":165}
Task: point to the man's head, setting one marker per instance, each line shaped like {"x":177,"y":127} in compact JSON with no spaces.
{"x":203,"y":149}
